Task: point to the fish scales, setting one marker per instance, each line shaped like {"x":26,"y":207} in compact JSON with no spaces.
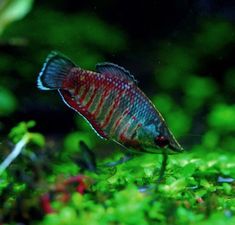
{"x":108,"y":105}
{"x":120,"y":96}
{"x":139,"y":113}
{"x":111,"y":102}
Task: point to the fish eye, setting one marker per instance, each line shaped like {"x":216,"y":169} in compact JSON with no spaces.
{"x":161,"y":141}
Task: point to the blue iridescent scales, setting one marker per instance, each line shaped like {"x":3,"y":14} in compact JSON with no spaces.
{"x":110,"y":100}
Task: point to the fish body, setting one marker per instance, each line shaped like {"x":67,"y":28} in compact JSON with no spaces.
{"x":110,"y":100}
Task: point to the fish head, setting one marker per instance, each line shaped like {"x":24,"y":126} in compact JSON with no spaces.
{"x":166,"y":140}
{"x":157,"y":138}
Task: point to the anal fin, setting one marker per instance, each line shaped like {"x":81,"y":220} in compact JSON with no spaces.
{"x":73,"y":104}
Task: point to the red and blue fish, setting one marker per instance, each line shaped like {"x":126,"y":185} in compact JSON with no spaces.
{"x":110,"y":100}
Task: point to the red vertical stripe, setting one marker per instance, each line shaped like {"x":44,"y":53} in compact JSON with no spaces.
{"x":111,"y":111}
{"x":103,"y":97}
{"x":77,"y":107}
{"x":83,"y":96}
{"x":87,"y":106}
{"x":119,"y":120}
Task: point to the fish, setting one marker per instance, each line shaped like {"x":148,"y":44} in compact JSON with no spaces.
{"x":111,"y":102}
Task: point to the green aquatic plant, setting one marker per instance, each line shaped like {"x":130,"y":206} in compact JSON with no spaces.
{"x":13,"y":10}
{"x":21,"y":137}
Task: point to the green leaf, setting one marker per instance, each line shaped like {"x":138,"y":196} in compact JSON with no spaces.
{"x":20,"y":130}
{"x":188,"y":170}
{"x":37,"y":139}
{"x":12,"y":10}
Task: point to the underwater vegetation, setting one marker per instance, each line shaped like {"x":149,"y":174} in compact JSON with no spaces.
{"x":54,"y":169}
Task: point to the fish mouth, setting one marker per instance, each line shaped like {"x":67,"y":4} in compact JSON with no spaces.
{"x":175,"y":147}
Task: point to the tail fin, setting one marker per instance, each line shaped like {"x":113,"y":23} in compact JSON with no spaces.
{"x":54,"y":71}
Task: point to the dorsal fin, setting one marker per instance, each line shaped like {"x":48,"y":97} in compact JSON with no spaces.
{"x":111,"y":68}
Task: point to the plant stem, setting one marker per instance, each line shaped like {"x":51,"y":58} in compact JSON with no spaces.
{"x":163,"y":167}
{"x":15,"y":152}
